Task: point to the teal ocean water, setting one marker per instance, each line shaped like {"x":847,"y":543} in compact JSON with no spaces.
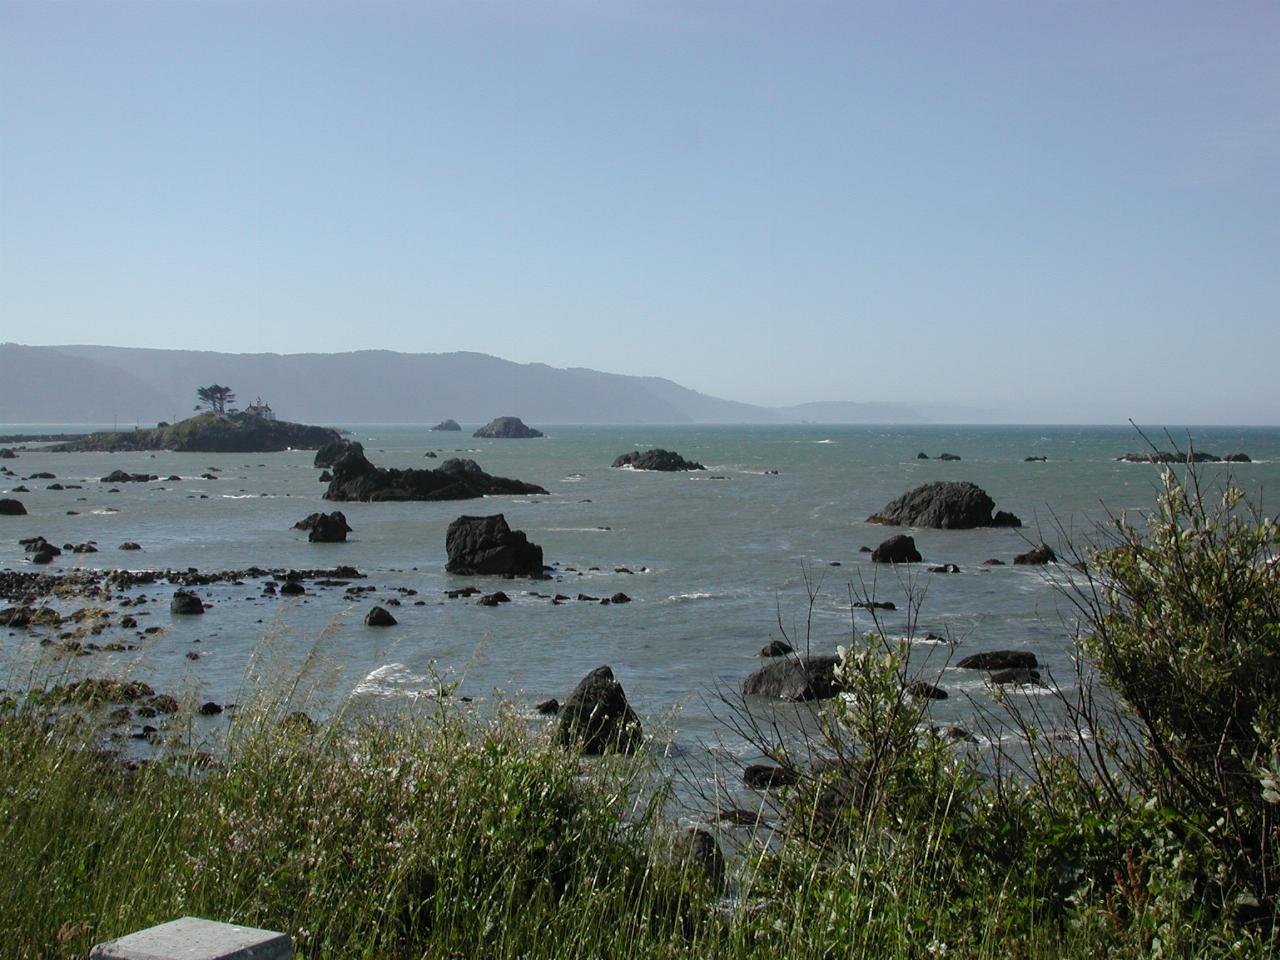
{"x":716,"y":559}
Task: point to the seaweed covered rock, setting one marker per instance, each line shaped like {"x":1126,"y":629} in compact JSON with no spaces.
{"x":945,"y":505}
{"x":487,"y":546}
{"x":597,"y":717}
{"x":656,"y":459}
{"x":355,"y":478}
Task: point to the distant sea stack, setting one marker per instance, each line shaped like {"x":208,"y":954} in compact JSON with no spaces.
{"x":506,"y":428}
{"x":447,"y":425}
{"x":211,"y":433}
{"x":656,"y":459}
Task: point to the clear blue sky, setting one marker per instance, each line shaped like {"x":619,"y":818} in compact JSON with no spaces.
{"x":1053,"y":210}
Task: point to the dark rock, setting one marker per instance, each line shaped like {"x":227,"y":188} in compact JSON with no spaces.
{"x":493,"y":599}
{"x":776,"y":648}
{"x":1037,"y":555}
{"x":597,"y":718}
{"x":864,"y":549}
{"x":795,"y":679}
{"x":15,"y":617}
{"x":923,"y":690}
{"x":696,"y":849}
{"x":209,"y":709}
{"x":656,"y":459}
{"x":1237,"y":458}
{"x":379,"y":617}
{"x":45,"y":554}
{"x":192,"y":655}
{"x":947,"y":456}
{"x":447,"y":425}
{"x":506,"y":428}
{"x":999,"y":660}
{"x":84,"y":548}
{"x":992,"y":562}
{"x":460,"y":466}
{"x":7,"y":454}
{"x":185,"y":604}
{"x":292,"y":588}
{"x":326,"y":476}
{"x":12,"y":508}
{"x":1040,"y":459}
{"x":20,"y":489}
{"x":1004,"y":519}
{"x":325,"y":527}
{"x":335,"y":450}
{"x":355,"y":478}
{"x":922,"y":455}
{"x":943,"y":504}
{"x":619,"y":598}
{"x":42,"y":475}
{"x":945,"y":568}
{"x":874,"y":605}
{"x":462,"y":592}
{"x":764,"y":776}
{"x":55,"y":487}
{"x":129,"y":545}
{"x":548,"y":708}
{"x":487,"y":546}
{"x":120,"y":476}
{"x":899,"y":548}
{"x":1018,"y":675}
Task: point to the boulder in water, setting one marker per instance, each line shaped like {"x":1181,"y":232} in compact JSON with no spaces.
{"x":795,"y":679}
{"x":597,"y":717}
{"x":506,"y":428}
{"x":656,"y":459}
{"x":943,"y":504}
{"x":487,"y":546}
{"x":899,"y":548}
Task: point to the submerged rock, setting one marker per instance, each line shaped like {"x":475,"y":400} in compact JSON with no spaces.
{"x":597,"y":718}
{"x":945,"y":505}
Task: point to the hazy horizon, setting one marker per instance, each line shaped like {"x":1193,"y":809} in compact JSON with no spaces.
{"x":1041,"y":213}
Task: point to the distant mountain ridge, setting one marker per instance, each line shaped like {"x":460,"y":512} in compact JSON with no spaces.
{"x":97,"y":384}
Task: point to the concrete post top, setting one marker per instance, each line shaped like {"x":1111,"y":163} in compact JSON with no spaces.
{"x":191,"y":938}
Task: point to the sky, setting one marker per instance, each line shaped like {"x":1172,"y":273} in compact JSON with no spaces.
{"x":1039,"y":211}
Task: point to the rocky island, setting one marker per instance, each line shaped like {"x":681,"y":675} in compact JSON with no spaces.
{"x":506,"y":428}
{"x":355,"y":478}
{"x":944,"y":505}
{"x":210,"y":432}
{"x":447,"y":425}
{"x":656,"y":459}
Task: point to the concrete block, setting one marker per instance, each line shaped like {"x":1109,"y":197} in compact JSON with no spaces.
{"x":191,"y":938}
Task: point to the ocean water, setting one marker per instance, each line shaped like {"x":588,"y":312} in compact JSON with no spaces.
{"x":718,"y":558}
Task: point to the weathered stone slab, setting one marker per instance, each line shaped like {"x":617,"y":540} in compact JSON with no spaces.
{"x":191,"y":938}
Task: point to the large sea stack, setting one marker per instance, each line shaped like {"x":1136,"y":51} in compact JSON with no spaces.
{"x":355,"y":478}
{"x":944,"y":505}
